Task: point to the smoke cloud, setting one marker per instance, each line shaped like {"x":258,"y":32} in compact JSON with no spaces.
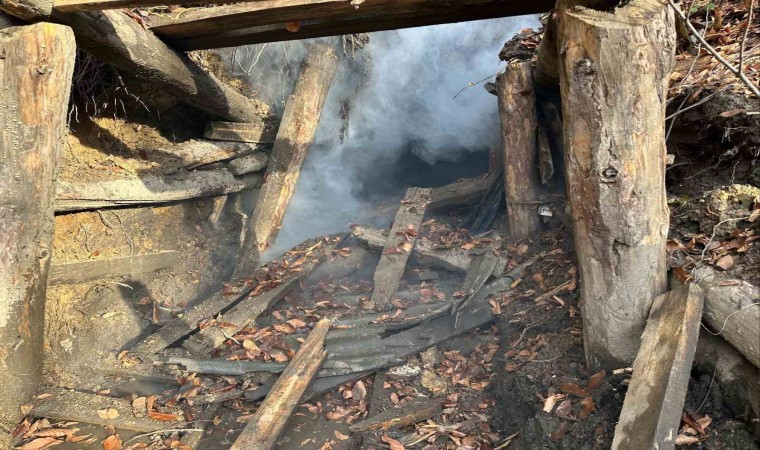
{"x":390,"y":117}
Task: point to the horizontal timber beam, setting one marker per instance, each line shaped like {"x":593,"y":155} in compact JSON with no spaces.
{"x":233,"y":25}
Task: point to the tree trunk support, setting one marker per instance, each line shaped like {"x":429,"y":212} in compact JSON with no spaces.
{"x":35,"y":72}
{"x":517,"y":109}
{"x":614,"y":71}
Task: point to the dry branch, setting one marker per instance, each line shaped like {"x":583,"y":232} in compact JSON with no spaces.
{"x":410,"y":413}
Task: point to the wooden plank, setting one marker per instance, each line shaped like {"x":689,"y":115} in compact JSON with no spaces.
{"x":399,"y":246}
{"x":95,"y":269}
{"x":259,"y":132}
{"x":453,"y":259}
{"x":236,"y":25}
{"x":480,"y":269}
{"x":614,"y":135}
{"x":294,"y":138}
{"x":36,"y":65}
{"x":27,"y":10}
{"x":71,"y":196}
{"x":265,"y":426}
{"x":99,"y":5}
{"x":117,"y":39}
{"x":409,"y":413}
{"x":248,"y":164}
{"x":69,"y":405}
{"x":654,"y":402}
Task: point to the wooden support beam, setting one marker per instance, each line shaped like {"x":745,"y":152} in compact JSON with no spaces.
{"x":197,"y":153}
{"x":117,"y":39}
{"x":35,"y":74}
{"x":614,"y":72}
{"x":27,"y":10}
{"x":259,"y":132}
{"x":517,"y":109}
{"x":95,"y":269}
{"x":399,"y":246}
{"x":70,"y":405}
{"x":654,"y":402}
{"x":235,"y":26}
{"x":294,"y":138}
{"x":150,"y":189}
{"x":265,"y":426}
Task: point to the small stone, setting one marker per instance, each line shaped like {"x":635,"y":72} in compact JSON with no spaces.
{"x":430,"y":357}
{"x":433,"y":382}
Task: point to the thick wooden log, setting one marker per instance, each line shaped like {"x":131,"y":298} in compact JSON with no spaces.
{"x":119,"y":40}
{"x":732,"y":311}
{"x":259,"y":132}
{"x":27,"y":10}
{"x":522,"y":185}
{"x":196,"y":153}
{"x":466,"y":192}
{"x":614,"y":71}
{"x":35,"y":74}
{"x":738,"y":379}
{"x":248,"y":164}
{"x":546,"y":75}
{"x":95,"y":269}
{"x":294,"y":137}
{"x":399,"y":246}
{"x":69,"y":405}
{"x":654,"y":402}
{"x":265,"y":426}
{"x":258,"y":22}
{"x":150,"y":189}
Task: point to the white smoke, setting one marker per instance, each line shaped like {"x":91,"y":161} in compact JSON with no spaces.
{"x":405,"y":104}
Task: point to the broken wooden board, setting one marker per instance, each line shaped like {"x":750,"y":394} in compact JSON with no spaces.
{"x":70,"y":405}
{"x":247,"y":164}
{"x":71,"y":196}
{"x":454,"y":259}
{"x":188,"y":321}
{"x":399,"y":246}
{"x":258,"y":22}
{"x":654,"y":402}
{"x":395,"y":348}
{"x":95,"y":269}
{"x":409,"y":413}
{"x":267,"y":423}
{"x":197,"y":153}
{"x":480,"y":269}
{"x":117,"y":39}
{"x":259,"y":132}
{"x":294,"y":138}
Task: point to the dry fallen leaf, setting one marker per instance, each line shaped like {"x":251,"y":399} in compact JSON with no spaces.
{"x":340,"y":435}
{"x":595,"y":380}
{"x":108,"y":414}
{"x":550,"y":402}
{"x":359,"y":391}
{"x":572,"y":388}
{"x":112,"y":442}
{"x":726,"y":262}
{"x":587,"y":407}
{"x":683,"y":439}
{"x":155,"y":415}
{"x":395,"y":445}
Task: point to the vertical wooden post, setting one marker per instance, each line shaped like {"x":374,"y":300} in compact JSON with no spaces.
{"x":517,"y":110}
{"x":614,"y":70}
{"x":35,"y":74}
{"x":294,"y":137}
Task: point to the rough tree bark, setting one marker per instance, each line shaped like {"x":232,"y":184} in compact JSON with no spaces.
{"x":117,"y":39}
{"x":614,"y":71}
{"x":294,"y":137}
{"x":517,"y":108}
{"x":35,"y":72}
{"x":27,"y":10}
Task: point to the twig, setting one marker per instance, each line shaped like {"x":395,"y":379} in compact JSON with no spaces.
{"x":708,"y":389}
{"x":171,"y":430}
{"x":746,"y":33}
{"x":710,"y":49}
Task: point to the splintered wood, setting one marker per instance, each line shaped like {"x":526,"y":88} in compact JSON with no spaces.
{"x":399,"y":246}
{"x":81,"y":271}
{"x":654,"y":402}
{"x":265,"y":427}
{"x":294,"y":138}
{"x":254,"y":132}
